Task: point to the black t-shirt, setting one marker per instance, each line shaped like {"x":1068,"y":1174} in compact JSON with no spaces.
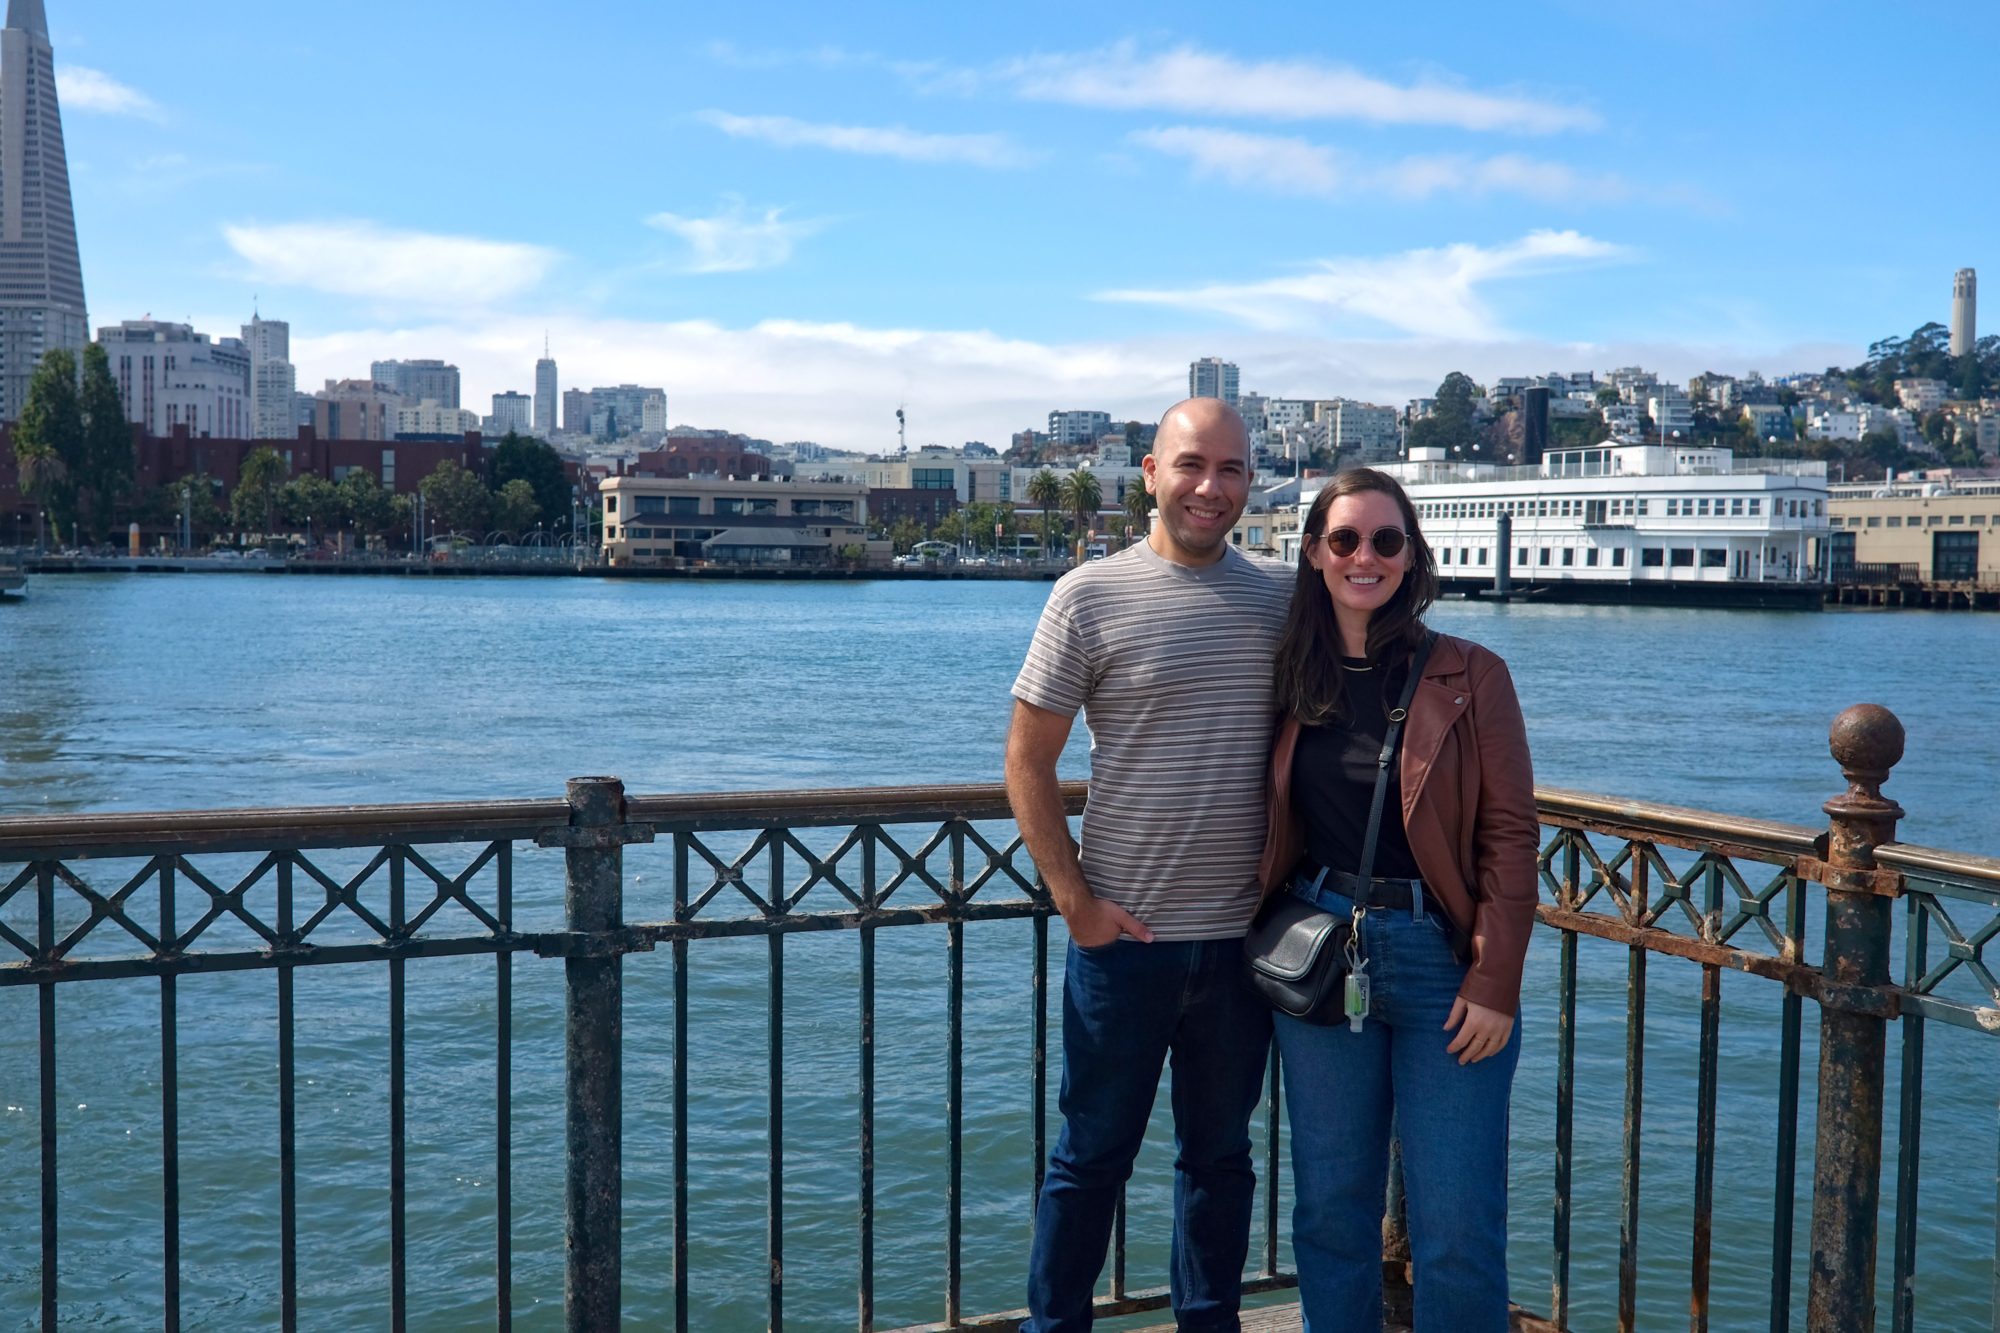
{"x":1333,"y":781}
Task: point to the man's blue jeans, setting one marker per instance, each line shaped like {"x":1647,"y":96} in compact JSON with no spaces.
{"x":1127,"y":1008}
{"x":1342,"y":1088}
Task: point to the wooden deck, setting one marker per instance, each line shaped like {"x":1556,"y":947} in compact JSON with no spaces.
{"x":1285,"y":1319}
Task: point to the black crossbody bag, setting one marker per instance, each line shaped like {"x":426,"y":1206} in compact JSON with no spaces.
{"x":1297,"y":951}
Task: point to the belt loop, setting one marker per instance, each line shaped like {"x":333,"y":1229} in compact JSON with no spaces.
{"x":1318,"y":880}
{"x":1416,"y":901}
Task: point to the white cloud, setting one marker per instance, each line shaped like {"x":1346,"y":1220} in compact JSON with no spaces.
{"x":838,"y":383}
{"x":1271,"y":162}
{"x":735,"y":241}
{"x":1508,"y":173}
{"x":79,"y":88}
{"x":400,"y":269}
{"x":1191,"y":80}
{"x":978,"y":150}
{"x":1432,"y":293}
{"x":1281,"y":164}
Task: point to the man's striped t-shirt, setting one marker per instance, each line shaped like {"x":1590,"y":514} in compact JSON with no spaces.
{"x":1171,"y":666}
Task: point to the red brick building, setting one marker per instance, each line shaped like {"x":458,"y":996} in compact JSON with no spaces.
{"x":702,"y":456}
{"x":160,"y":459}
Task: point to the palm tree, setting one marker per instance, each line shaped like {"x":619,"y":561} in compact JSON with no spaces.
{"x":1138,"y":504}
{"x":1082,"y":494}
{"x":1045,"y":489}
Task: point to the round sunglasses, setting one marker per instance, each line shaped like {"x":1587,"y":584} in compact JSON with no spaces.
{"x":1388,"y":542}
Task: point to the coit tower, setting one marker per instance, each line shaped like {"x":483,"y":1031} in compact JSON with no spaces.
{"x":1964,"y":312}
{"x":41,"y":280}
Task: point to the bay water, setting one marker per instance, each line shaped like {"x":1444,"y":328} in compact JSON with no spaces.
{"x":166,"y":692}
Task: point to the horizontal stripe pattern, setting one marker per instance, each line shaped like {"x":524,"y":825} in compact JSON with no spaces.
{"x":1171,"y":668}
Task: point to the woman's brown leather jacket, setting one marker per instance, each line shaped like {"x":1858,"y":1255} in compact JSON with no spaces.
{"x":1468,"y":792}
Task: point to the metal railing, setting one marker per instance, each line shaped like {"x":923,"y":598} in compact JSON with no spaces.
{"x":1875,"y":573}
{"x":1724,"y":894}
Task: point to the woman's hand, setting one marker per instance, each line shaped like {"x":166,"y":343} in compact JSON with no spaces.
{"x":1481,"y":1031}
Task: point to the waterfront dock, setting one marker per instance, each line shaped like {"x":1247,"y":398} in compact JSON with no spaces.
{"x":1682,"y":896}
{"x":1902,"y":585}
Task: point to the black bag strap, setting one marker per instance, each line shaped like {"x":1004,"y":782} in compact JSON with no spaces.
{"x":1390,"y":735}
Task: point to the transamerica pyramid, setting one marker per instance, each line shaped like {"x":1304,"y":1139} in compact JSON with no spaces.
{"x":41,"y":279}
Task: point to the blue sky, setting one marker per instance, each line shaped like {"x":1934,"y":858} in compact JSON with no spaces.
{"x":797,"y":217}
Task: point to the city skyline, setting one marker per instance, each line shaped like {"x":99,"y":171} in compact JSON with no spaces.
{"x":883,"y":208}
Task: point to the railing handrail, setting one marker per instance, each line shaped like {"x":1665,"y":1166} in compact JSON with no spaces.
{"x":29,"y":837}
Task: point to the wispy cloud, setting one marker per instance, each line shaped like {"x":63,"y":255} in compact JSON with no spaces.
{"x":732,"y":56}
{"x":80,"y":88}
{"x":399,"y":269}
{"x":736,"y":240}
{"x":1190,"y":80}
{"x":979,"y":150}
{"x":1507,"y":173}
{"x":1271,"y":162}
{"x":1282,"y":164}
{"x":1435,"y":293}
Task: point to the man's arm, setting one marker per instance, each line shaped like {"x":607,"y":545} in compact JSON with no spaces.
{"x":1034,"y":742}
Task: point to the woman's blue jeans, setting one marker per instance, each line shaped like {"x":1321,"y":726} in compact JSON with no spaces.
{"x":1344,"y":1089}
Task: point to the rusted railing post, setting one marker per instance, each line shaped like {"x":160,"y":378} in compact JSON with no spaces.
{"x":1398,"y":1293}
{"x":593,"y":910}
{"x":1855,"y":1007}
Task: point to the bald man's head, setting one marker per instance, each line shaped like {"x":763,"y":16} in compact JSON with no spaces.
{"x":1211,"y":420}
{"x":1199,"y":475}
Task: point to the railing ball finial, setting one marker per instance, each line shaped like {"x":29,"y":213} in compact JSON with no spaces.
{"x":1866,"y":741}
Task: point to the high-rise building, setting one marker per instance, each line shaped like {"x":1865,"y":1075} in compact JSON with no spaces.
{"x":274,"y":381}
{"x":415,"y":381}
{"x":622,"y":409}
{"x":1078,"y":427}
{"x":356,"y":410}
{"x":576,"y":411}
{"x":1212,"y":377}
{"x":1964,"y":312}
{"x":434,"y":419}
{"x":41,"y":279}
{"x":512,"y":411}
{"x":546,"y":396}
{"x":168,"y":375}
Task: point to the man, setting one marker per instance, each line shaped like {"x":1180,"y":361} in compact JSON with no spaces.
{"x":1167,"y":648}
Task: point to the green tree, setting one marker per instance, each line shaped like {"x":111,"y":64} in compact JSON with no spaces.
{"x":982,"y":517}
{"x":1138,"y":504}
{"x":1450,"y":425}
{"x":1082,"y":495}
{"x":402,"y":510}
{"x":253,"y":506}
{"x":906,"y":533}
{"x":313,"y":505}
{"x":515,"y":509}
{"x":1936,"y":430}
{"x":195,"y":497}
{"x":456,"y":499}
{"x":524,"y":458}
{"x":368,"y":507}
{"x":1135,"y":443}
{"x":107,"y":440}
{"x":1045,"y":491}
{"x":49,"y":439}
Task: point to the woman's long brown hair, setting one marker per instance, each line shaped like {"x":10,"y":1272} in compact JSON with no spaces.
{"x":1308,"y":678}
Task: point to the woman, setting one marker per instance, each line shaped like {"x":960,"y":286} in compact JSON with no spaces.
{"x":1443,"y":922}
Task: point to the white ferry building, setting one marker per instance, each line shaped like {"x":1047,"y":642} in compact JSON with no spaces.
{"x":1621,"y":521}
